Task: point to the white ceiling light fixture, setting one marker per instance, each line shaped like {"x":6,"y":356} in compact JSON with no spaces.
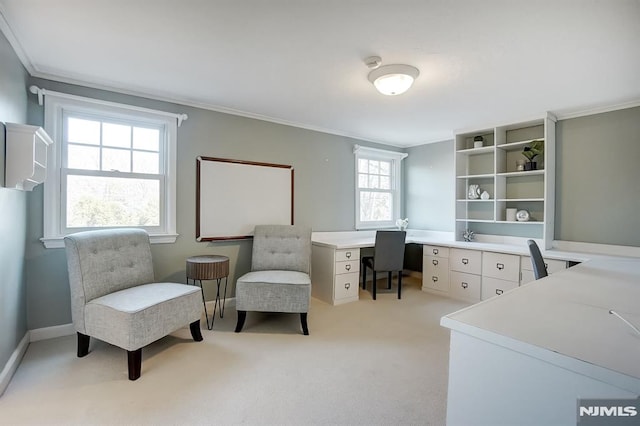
{"x":391,"y":80}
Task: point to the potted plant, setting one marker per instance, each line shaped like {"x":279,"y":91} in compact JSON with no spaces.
{"x":531,"y":151}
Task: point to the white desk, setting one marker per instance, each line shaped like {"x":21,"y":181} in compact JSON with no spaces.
{"x":336,"y":258}
{"x":527,"y":356}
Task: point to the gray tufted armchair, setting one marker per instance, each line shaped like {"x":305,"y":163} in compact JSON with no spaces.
{"x":279,"y":280}
{"x":115,"y":298}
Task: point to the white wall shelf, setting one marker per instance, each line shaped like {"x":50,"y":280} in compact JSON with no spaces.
{"x":26,"y":156}
{"x":494,"y":168}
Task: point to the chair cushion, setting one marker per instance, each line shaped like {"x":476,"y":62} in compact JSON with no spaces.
{"x":136,"y":316}
{"x":273,"y":291}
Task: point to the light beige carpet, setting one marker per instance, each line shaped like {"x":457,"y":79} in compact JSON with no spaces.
{"x":369,"y":362}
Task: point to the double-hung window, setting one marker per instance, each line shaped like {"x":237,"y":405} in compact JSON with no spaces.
{"x":378,"y":187}
{"x":113,"y":166}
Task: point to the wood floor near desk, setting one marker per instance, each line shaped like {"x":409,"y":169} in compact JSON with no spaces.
{"x":367,"y":362}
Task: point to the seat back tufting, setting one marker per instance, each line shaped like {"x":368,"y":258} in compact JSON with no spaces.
{"x":281,"y":247}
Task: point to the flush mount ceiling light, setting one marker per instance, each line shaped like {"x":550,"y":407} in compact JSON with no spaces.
{"x":391,"y":79}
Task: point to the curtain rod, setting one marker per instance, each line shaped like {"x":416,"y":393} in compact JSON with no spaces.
{"x":43,"y":92}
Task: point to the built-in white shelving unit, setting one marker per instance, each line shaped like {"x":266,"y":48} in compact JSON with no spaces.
{"x":493,"y":167}
{"x":26,"y":156}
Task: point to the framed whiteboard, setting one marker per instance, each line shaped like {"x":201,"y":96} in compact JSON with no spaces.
{"x":233,"y":196}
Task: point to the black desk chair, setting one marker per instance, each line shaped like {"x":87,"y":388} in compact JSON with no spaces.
{"x":539,"y":268}
{"x":388,"y":257}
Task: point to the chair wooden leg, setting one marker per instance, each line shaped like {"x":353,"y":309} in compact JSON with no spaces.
{"x":134,"y":359}
{"x":303,"y":321}
{"x":242,"y":315}
{"x":83,"y":345}
{"x":195,"y":331}
{"x":374,"y":285}
{"x":389,"y":277}
{"x":399,"y":284}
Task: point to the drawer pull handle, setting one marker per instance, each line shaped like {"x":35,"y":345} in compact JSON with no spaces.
{"x":347,"y":286}
{"x":347,"y":267}
{"x":499,"y":292}
{"x":435,"y":262}
{"x":434,"y":279}
{"x":435,"y":251}
{"x":464,"y":285}
{"x":465,"y":261}
{"x":500,"y":266}
{"x":348,"y":255}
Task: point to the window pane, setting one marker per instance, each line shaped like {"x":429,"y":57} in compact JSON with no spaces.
{"x":375,"y":206}
{"x":116,"y":135}
{"x":374,"y":166}
{"x":146,"y":162}
{"x":101,"y":201}
{"x":83,"y":131}
{"x":116,"y":160}
{"x":147,"y":139}
{"x":363,"y":165}
{"x":373,"y":182}
{"x":385,"y":182}
{"x":363,"y":180}
{"x":385,"y":168}
{"x":83,"y":157}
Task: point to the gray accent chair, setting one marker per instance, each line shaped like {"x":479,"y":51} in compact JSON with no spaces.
{"x":114,"y":296}
{"x":279,"y":280}
{"x":388,"y":256}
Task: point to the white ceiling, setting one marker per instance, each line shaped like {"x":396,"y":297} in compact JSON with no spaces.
{"x":300,"y":62}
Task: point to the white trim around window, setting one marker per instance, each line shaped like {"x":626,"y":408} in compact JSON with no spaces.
{"x":391,"y":189}
{"x":59,"y":105}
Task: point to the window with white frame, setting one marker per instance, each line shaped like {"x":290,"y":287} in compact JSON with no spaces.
{"x":378,"y":187}
{"x":113,"y":165}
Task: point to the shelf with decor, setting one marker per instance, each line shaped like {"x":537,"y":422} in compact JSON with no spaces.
{"x":515,"y":166}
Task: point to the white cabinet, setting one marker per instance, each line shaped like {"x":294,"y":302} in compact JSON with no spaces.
{"x":494,"y":287}
{"x":435,"y":269}
{"x":335,"y":274}
{"x":493,"y":168}
{"x":463,"y":260}
{"x":465,"y":274}
{"x":526,"y":268}
{"x":500,"y":272}
{"x":465,"y":286}
{"x":26,"y":156}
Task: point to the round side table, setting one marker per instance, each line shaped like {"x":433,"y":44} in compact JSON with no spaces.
{"x":209,"y":267}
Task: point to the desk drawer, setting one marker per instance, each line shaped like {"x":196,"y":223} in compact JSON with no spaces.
{"x":469,"y":261}
{"x":347,"y":267}
{"x":493,"y":287}
{"x":553,"y":265}
{"x":436,"y":251}
{"x":347,"y":254}
{"x":465,"y":286}
{"x":501,"y":266}
{"x":435,"y":273}
{"x":346,"y":286}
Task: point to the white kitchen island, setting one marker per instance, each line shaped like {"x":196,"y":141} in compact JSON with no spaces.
{"x":526,"y":357}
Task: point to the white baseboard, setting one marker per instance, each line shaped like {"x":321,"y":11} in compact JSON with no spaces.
{"x":13,"y":363}
{"x":52,"y":332}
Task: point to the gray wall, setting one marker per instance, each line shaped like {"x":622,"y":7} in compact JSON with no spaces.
{"x":587,"y":207}
{"x":598,"y":178}
{"x":323,"y":196}
{"x":13,"y":205}
{"x":429,"y":191}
